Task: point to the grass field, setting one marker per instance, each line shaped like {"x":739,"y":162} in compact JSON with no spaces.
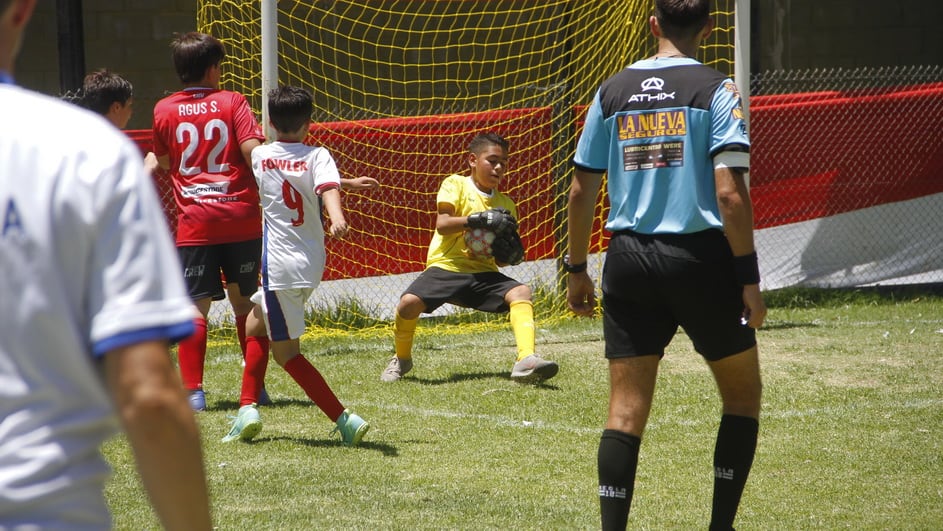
{"x":851,"y":434}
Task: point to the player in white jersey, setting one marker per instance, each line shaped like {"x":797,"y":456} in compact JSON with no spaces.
{"x":92,"y":295}
{"x":293,"y":180}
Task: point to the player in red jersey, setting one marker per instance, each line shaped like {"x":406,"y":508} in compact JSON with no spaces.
{"x":204,"y":136}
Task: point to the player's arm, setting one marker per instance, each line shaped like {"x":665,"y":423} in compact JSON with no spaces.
{"x":736,"y":211}
{"x":581,"y":207}
{"x":331,"y":198}
{"x":246,"y":148}
{"x":151,"y":163}
{"x":359,"y":183}
{"x":162,"y":431}
{"x":163,"y":161}
{"x":447,"y":222}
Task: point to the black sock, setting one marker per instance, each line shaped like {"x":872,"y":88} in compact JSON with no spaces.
{"x":733,"y":457}
{"x":616,"y":462}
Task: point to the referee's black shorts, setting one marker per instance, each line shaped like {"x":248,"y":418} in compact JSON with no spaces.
{"x":651,"y":284}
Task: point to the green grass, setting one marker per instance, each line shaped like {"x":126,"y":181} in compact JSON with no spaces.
{"x":850,"y":435}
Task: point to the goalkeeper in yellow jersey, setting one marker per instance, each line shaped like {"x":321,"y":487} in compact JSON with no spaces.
{"x":456,"y":275}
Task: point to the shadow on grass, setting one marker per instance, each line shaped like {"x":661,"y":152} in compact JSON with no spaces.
{"x":466,"y":376}
{"x":787,"y":325}
{"x":387,"y":449}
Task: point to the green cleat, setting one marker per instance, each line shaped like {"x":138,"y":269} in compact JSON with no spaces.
{"x":352,"y":428}
{"x":246,"y":425}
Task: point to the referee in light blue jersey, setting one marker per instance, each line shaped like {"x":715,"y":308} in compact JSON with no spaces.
{"x":669,"y":132}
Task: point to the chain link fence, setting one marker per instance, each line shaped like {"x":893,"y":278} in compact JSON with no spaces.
{"x":847,"y":174}
{"x":846,"y":179}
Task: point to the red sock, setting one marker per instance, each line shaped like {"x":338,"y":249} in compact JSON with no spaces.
{"x":241,"y":333}
{"x":191,"y":353}
{"x":314,"y":386}
{"x":253,"y":374}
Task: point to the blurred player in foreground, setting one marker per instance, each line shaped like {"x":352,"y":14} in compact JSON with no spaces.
{"x":204,"y":136}
{"x":669,"y":132}
{"x":293,"y":178}
{"x":454,"y":275}
{"x":94,"y":296}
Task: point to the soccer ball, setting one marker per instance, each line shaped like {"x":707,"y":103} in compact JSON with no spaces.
{"x":478,"y":242}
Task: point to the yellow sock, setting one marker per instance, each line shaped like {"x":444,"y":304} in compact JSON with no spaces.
{"x":522,"y":322}
{"x":403,"y":332}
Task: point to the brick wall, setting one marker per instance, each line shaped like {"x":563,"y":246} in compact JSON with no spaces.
{"x":131,"y":37}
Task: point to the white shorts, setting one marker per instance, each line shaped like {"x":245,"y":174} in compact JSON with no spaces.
{"x":284,"y":311}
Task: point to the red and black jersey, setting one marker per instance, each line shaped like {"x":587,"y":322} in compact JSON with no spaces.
{"x":217,"y":199}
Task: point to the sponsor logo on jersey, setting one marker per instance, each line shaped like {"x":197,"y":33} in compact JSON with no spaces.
{"x":201,"y":191}
{"x":652,"y":124}
{"x":284,"y":165}
{"x":649,"y":156}
{"x":652,"y":84}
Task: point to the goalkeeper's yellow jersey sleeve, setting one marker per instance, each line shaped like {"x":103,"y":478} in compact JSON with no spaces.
{"x":448,"y":251}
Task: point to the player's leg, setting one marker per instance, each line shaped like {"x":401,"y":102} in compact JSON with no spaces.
{"x":257,"y":355}
{"x":740,"y":386}
{"x":529,"y":367}
{"x":241,"y":266}
{"x":408,"y":310}
{"x":191,"y":356}
{"x":710,"y":304}
{"x":431,"y":289}
{"x":248,"y":423}
{"x":204,"y":285}
{"x":631,"y":389}
{"x":521,"y":315}
{"x":495,"y":292}
{"x":284,"y":314}
{"x":637,"y":327}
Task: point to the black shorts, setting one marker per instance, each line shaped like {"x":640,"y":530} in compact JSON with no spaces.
{"x":652,"y":284}
{"x":481,"y":291}
{"x":238,"y":261}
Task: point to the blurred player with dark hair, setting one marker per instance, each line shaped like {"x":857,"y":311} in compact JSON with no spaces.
{"x":669,"y":132}
{"x":110,"y":95}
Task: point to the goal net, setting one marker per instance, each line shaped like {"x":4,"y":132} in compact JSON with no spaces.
{"x":400,"y":88}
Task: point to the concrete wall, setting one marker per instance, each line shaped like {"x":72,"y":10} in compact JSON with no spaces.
{"x":131,"y":37}
{"x":805,"y":34}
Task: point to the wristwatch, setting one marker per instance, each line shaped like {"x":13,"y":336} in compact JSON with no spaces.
{"x":573,"y":268}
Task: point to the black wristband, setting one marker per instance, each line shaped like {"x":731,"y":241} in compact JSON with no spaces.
{"x":746,"y":269}
{"x":573,"y":268}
